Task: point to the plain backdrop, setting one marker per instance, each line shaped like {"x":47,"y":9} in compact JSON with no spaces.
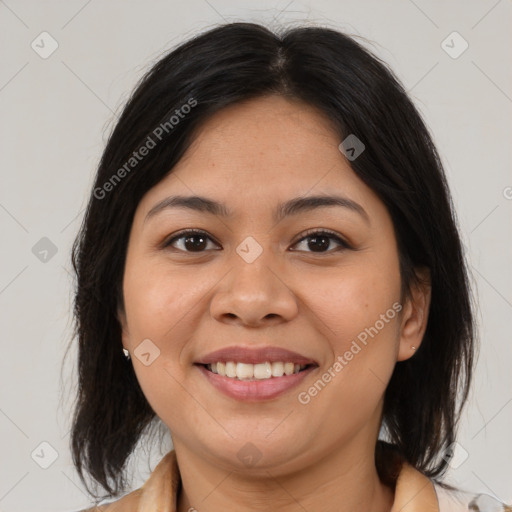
{"x":59,"y":93}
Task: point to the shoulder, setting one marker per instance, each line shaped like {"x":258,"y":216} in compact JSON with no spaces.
{"x":456,"y":500}
{"x":127,"y":503}
{"x":162,"y":484}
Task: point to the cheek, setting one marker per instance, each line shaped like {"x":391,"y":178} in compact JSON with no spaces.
{"x":358,"y":312}
{"x":362,"y":317}
{"x":354,"y":300}
{"x":160,"y":307}
{"x":158,"y":302}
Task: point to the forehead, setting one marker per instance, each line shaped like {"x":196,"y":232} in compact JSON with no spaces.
{"x":265,"y":148}
{"x":267,"y":136}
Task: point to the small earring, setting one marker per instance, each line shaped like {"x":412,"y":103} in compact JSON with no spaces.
{"x":126,"y":354}
{"x":414,"y":348}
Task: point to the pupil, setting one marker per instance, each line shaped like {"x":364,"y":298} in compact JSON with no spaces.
{"x":314,"y":239}
{"x":193,"y":246}
{"x":315,"y":243}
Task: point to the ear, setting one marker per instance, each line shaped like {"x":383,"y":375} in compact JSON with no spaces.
{"x":415,"y":315}
{"x":121,"y":317}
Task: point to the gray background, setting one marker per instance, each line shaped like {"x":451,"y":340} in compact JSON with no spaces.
{"x":56,"y":113}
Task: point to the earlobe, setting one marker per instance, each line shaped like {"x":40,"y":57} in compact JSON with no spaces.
{"x":415,"y":316}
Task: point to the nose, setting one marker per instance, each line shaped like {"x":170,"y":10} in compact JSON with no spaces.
{"x":254,"y":294}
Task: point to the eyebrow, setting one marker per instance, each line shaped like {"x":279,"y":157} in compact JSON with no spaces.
{"x":292,"y":207}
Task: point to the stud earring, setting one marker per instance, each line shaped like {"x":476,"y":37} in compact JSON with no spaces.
{"x":414,"y":348}
{"x":126,"y":354}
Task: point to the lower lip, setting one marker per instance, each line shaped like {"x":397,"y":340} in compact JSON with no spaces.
{"x":255,"y":390}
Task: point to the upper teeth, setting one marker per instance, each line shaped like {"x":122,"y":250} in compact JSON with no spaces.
{"x":254,"y":371}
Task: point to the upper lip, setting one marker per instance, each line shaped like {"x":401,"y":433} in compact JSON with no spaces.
{"x":241,"y":354}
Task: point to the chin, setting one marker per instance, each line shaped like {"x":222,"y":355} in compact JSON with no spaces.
{"x":254,"y":453}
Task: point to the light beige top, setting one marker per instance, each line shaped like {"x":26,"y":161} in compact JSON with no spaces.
{"x":414,"y":492}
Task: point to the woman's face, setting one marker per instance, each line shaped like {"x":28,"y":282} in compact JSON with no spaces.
{"x":259,"y":278}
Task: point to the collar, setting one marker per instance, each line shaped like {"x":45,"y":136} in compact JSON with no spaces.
{"x":414,"y":492}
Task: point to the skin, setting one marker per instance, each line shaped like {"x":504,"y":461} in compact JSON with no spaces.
{"x":314,"y":456}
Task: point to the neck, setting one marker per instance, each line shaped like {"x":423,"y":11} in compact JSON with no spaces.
{"x":341,"y":481}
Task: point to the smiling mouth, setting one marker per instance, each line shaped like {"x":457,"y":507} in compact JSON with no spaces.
{"x":255,"y":372}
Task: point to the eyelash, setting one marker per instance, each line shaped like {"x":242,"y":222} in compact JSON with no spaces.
{"x":309,"y":234}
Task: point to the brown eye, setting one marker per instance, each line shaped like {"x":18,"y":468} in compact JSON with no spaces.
{"x":319,"y":241}
{"x":193,"y":241}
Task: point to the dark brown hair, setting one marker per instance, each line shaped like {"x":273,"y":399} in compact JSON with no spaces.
{"x":360,"y":95}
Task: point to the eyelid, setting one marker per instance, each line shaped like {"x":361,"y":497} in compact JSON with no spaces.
{"x":323,"y":231}
{"x":340,"y":240}
{"x":180,"y":234}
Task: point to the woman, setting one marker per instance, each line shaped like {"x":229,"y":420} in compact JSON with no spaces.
{"x":270,"y":241}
